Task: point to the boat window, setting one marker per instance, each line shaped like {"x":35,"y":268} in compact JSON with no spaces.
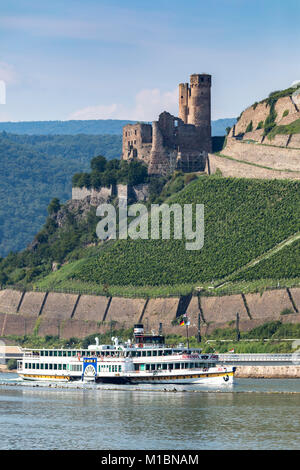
{"x":138,"y":353}
{"x":42,"y":366}
{"x":55,"y":353}
{"x":177,"y":365}
{"x":154,"y":353}
{"x":64,"y":366}
{"x":50,"y":366}
{"x":165,"y":366}
{"x":60,"y":353}
{"x":144,"y":353}
{"x":149,"y":353}
{"x":160,"y":353}
{"x":50,"y":353}
{"x":46,"y":353}
{"x":46,"y":366}
{"x":120,"y":368}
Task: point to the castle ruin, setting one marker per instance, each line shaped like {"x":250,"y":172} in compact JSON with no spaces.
{"x":175,"y":143}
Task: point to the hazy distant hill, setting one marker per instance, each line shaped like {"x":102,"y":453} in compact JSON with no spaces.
{"x":35,"y":169}
{"x":99,"y":126}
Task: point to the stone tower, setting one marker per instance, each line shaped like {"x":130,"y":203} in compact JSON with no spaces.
{"x":195,"y":105}
{"x":172,"y":142}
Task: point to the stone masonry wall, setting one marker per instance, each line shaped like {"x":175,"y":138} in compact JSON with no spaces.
{"x":70,"y":315}
{"x":234,"y":168}
{"x":264,"y":155}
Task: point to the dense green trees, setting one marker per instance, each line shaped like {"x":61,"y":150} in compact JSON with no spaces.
{"x":36,"y":169}
{"x":104,"y":173}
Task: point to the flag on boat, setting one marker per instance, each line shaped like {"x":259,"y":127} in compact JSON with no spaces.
{"x":231,"y":350}
{"x":185,"y":321}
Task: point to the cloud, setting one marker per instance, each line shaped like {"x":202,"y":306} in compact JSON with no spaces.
{"x":7,"y":73}
{"x":149,"y":103}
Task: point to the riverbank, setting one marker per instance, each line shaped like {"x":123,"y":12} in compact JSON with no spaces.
{"x":5,"y":370}
{"x":268,"y":372}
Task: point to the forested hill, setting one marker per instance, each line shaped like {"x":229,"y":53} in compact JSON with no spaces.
{"x":92,"y":127}
{"x":35,"y":169}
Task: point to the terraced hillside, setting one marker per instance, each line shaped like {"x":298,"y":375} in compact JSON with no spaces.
{"x":243,"y":219}
{"x":265,"y":141}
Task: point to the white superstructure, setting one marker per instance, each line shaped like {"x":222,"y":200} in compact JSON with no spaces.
{"x":148,"y":360}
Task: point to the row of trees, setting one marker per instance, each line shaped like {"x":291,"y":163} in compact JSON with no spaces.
{"x":105,"y":173}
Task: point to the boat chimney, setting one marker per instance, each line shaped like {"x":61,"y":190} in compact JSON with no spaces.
{"x":138,"y":331}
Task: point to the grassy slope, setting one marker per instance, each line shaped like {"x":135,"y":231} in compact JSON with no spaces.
{"x":243,"y":219}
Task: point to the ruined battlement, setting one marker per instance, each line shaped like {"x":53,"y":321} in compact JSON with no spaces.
{"x":175,"y":142}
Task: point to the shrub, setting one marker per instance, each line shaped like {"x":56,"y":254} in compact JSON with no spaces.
{"x":285,"y":113}
{"x":189,"y":177}
{"x":287,"y":311}
{"x":249,"y":127}
{"x":12,"y":364}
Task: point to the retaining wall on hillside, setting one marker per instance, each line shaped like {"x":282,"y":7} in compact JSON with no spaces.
{"x":266,"y":155}
{"x":233,"y":168}
{"x":72,"y":315}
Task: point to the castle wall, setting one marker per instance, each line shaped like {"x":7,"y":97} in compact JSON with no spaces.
{"x":183,"y":140}
{"x":81,"y":193}
{"x":137,"y":141}
{"x":238,"y":169}
{"x":97,"y":314}
{"x":184,"y":102}
{"x":266,"y":155}
{"x":139,"y":192}
{"x":162,"y":159}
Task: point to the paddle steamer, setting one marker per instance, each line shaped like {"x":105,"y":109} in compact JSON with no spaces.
{"x":146,"y":360}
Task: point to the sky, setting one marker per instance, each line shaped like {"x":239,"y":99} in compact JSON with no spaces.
{"x":124,"y":59}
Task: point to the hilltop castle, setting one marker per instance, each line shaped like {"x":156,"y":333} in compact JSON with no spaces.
{"x":175,"y":142}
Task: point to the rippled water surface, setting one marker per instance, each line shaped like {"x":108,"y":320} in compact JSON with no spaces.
{"x":250,"y":414}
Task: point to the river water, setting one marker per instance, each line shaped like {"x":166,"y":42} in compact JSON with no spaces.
{"x":249,"y":414}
